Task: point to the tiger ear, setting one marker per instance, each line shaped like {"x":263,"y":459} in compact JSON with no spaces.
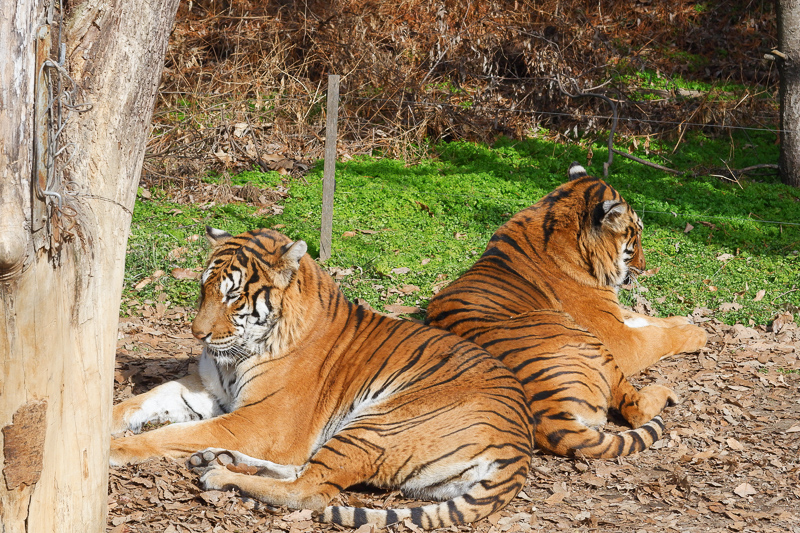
{"x":576,"y":171}
{"x":215,"y":237}
{"x":607,"y":214}
{"x":289,"y":263}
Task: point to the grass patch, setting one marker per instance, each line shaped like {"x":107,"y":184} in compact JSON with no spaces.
{"x":405,"y":230}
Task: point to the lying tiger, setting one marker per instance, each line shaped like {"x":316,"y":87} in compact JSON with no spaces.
{"x":316,"y":394}
{"x":543,"y":299}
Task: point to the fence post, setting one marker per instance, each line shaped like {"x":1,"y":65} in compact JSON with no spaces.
{"x":329,"y":170}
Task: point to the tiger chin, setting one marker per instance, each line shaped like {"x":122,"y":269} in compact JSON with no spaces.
{"x":543,"y":299}
{"x":313,"y":394}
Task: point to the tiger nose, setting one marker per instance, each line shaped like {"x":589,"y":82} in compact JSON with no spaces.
{"x":198,"y":331}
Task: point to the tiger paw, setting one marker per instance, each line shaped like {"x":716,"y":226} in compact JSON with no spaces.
{"x":648,"y":403}
{"x":209,"y":458}
{"x":694,"y":338}
{"x":217,"y":477}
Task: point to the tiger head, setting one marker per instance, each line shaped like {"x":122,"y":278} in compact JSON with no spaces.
{"x":603,"y":229}
{"x":246,"y":295}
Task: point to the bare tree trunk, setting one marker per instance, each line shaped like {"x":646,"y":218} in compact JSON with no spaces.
{"x":65,"y":210}
{"x":789,"y":67}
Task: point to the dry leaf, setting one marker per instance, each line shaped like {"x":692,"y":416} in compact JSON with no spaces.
{"x":701,"y":456}
{"x":142,"y":284}
{"x":557,"y":497}
{"x":184,"y":273}
{"x":408,"y":289}
{"x":349,"y":234}
{"x":402,"y":309}
{"x":724,"y":257}
{"x":780,"y":321}
{"x":401,"y":270}
{"x":298,"y":516}
{"x":224,"y":158}
{"x":425,"y":261}
{"x":211,"y":496}
{"x":759,"y":295}
{"x":716,"y":507}
{"x":688,"y":228}
{"x":239,"y":129}
{"x":793,"y":429}
{"x":734,"y":444}
{"x":410,"y":525}
{"x":366,"y":528}
{"x":494,"y":518}
{"x":744,"y":490}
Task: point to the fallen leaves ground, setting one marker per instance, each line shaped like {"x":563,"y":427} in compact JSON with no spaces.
{"x":729,"y":461}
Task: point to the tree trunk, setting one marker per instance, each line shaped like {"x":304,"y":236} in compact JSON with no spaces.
{"x":789,"y":68}
{"x":65,"y":211}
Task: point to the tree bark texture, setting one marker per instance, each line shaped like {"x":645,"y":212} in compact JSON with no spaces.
{"x":62,"y":246}
{"x":789,"y":68}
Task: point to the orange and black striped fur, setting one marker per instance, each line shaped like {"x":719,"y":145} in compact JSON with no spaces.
{"x":543,"y":299}
{"x":316,"y":394}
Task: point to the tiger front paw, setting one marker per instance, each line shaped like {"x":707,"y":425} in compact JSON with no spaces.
{"x":210,"y":458}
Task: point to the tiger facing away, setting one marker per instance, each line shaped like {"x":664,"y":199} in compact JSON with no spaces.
{"x":316,"y":394}
{"x":543,"y":299}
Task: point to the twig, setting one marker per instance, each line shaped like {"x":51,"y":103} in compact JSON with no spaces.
{"x":756,"y":167}
{"x":610,"y":102}
{"x":734,"y":179}
{"x":793,"y":289}
{"x":648,"y":163}
{"x":260,"y":162}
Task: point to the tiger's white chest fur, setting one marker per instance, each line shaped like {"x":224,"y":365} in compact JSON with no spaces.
{"x":219,"y":380}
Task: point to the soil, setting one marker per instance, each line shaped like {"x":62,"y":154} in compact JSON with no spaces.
{"x":728,"y":461}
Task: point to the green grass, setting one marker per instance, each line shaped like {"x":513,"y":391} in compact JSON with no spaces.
{"x":648,"y":80}
{"x":432,"y":220}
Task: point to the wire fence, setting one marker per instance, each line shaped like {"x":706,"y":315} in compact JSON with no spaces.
{"x":196,"y":132}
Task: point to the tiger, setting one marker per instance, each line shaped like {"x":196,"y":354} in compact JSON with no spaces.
{"x":314,"y":394}
{"x":543,"y":299}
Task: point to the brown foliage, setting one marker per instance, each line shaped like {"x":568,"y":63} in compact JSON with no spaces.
{"x":416,"y":70}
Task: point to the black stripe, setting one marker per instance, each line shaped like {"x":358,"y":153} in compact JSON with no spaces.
{"x":359,"y":516}
{"x":416,"y":516}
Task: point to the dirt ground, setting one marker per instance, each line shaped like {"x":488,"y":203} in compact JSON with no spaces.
{"x":729,"y":460}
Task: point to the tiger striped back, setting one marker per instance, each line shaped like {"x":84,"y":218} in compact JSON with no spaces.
{"x":323,"y":394}
{"x":543,"y":299}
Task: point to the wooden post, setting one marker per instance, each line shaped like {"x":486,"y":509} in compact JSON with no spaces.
{"x":329,"y":171}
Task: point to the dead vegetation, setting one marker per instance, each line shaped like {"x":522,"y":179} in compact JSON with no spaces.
{"x":244,"y":83}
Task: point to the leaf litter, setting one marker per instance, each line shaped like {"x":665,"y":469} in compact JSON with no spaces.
{"x":729,"y":459}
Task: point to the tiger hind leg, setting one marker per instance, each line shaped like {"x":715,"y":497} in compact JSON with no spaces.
{"x":474,"y":483}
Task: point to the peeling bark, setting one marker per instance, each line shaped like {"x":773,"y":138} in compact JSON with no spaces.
{"x":23,"y":445}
